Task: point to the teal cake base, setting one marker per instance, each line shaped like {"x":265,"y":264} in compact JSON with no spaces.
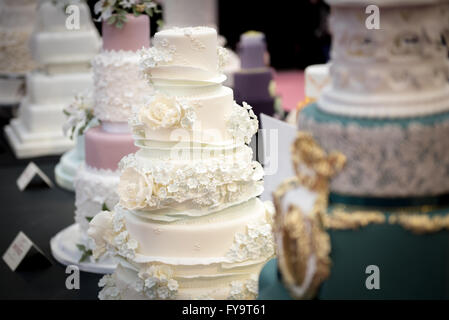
{"x":411,"y":265}
{"x":270,"y":284}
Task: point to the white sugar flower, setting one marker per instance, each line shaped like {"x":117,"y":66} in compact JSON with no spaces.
{"x":79,"y":114}
{"x":134,"y":189}
{"x":101,"y":231}
{"x":104,"y":8}
{"x":159,"y":54}
{"x":172,"y":285}
{"x":252,"y":284}
{"x":127,"y":3}
{"x":243,"y":123}
{"x":160,"y":112}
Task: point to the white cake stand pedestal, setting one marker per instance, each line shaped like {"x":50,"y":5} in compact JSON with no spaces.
{"x":64,"y":250}
{"x":28,"y":145}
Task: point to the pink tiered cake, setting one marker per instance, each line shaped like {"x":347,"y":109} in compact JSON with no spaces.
{"x":117,"y":89}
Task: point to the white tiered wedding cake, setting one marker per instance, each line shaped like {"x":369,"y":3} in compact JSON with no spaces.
{"x":64,"y":58}
{"x":16,"y":25}
{"x":189,"y":223}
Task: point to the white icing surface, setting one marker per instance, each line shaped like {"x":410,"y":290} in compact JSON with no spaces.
{"x":209,"y":237}
{"x":63,"y":47}
{"x":183,"y":54}
{"x":56,"y":88}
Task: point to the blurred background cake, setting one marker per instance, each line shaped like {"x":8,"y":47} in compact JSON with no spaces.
{"x":16,"y":25}
{"x":386,"y":112}
{"x":63,"y":56}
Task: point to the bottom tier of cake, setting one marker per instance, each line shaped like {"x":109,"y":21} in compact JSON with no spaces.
{"x":218,"y":256}
{"x":182,"y":282}
{"x":26,"y":144}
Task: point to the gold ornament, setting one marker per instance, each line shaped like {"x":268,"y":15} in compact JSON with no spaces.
{"x":303,"y":245}
{"x":420,"y":223}
{"x":343,"y":220}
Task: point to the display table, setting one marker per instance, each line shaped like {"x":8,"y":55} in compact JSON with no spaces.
{"x":40,"y":212}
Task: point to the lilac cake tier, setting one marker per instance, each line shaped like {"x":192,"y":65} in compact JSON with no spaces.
{"x":134,"y":35}
{"x":105,"y":149}
{"x":253,"y":88}
{"x":252,"y":49}
{"x":251,"y":83}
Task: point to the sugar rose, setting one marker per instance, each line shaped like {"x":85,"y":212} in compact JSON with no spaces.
{"x":160,"y":112}
{"x":100,"y":230}
{"x":134,"y":189}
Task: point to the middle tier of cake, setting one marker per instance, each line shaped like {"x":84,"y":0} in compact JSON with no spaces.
{"x":169,"y":184}
{"x":386,"y":158}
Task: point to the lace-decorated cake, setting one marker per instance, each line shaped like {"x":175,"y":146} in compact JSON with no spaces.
{"x":63,"y":57}
{"x":117,"y":87}
{"x":16,"y":25}
{"x":385,"y":116}
{"x":188,"y":224}
{"x":402,"y":67}
{"x":387,"y":105}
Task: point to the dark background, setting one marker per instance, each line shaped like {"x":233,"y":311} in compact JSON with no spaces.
{"x":295,"y":30}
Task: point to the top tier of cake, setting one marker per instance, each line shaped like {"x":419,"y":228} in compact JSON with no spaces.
{"x":17,"y":14}
{"x":191,"y":105}
{"x":182,"y":13}
{"x":252,"y":50}
{"x":185,"y":55}
{"x":402,"y":66}
{"x":56,"y":42}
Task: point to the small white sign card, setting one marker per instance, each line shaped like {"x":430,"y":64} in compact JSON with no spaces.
{"x":29,"y":173}
{"x":23,"y":251}
{"x":278,"y":152}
